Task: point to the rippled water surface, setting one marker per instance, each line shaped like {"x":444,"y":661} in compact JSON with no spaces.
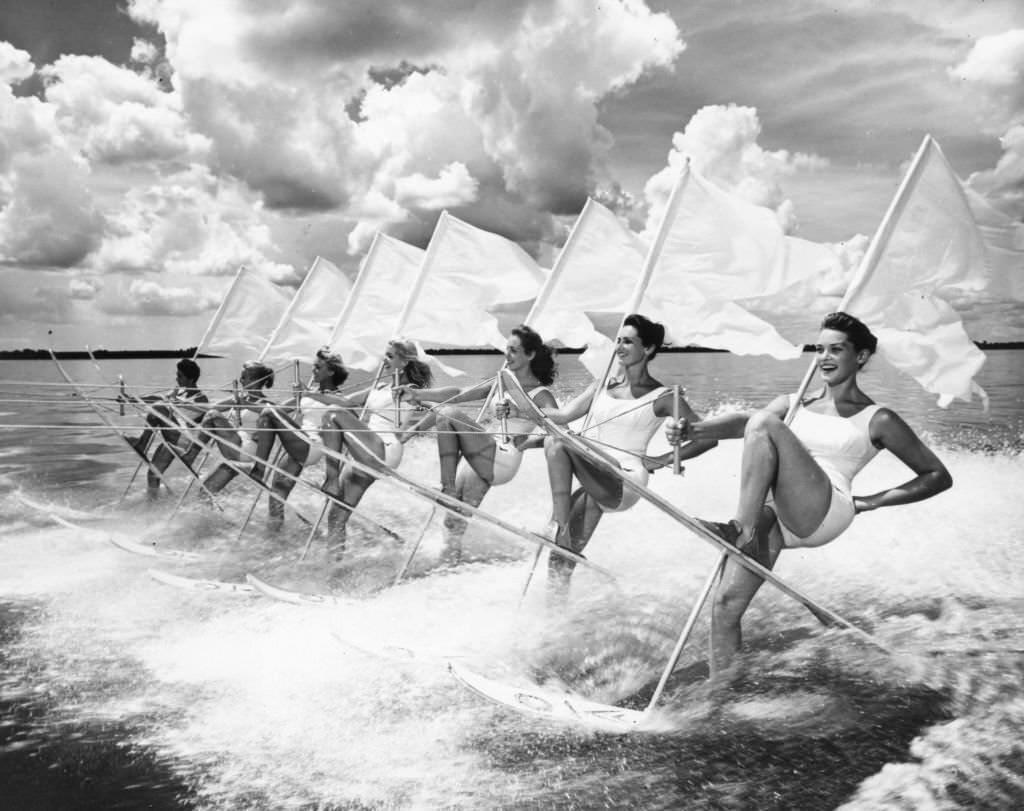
{"x":118,"y":691}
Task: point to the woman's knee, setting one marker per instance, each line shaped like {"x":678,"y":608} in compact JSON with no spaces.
{"x":762,"y":423}
{"x":729,"y":605}
{"x":554,"y":447}
{"x":449,"y":417}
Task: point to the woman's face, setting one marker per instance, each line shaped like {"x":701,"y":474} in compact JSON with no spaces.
{"x":515,"y":356}
{"x":393,"y":361}
{"x":250,"y":380}
{"x":628,"y":348}
{"x":836,"y":358}
{"x":321,"y":371}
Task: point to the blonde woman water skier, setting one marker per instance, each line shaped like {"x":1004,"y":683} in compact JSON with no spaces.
{"x":378,"y":440}
{"x":625,"y":413}
{"x":795,"y":480}
{"x":472,"y":459}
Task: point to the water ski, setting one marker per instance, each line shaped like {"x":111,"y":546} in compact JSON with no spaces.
{"x":151,"y":550}
{"x":564,"y":708}
{"x":296,"y":597}
{"x":199,"y":584}
{"x":396,"y":651}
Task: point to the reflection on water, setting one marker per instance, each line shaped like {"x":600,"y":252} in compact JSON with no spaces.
{"x":120,"y":692}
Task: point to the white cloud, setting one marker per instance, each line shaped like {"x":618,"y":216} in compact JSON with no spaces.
{"x":84,"y":289}
{"x":721,"y":143}
{"x":115,"y":115}
{"x":995,"y":66}
{"x":148,"y":297}
{"x":15,"y":64}
{"x":454,"y":186}
{"x":144,"y":52}
{"x":193,"y":223}
{"x":47,"y":216}
{"x":509,"y":90}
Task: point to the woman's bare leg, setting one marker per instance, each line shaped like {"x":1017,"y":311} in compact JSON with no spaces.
{"x":460,"y":437}
{"x":773,"y":459}
{"x":471,"y":489}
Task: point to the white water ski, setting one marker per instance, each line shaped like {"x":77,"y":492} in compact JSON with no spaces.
{"x":200,"y":584}
{"x":296,"y":597}
{"x":53,"y":509}
{"x":151,"y":550}
{"x":396,"y":651}
{"x":563,"y":708}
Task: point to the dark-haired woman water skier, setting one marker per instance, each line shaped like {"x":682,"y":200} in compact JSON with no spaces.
{"x":795,"y":480}
{"x":625,"y":413}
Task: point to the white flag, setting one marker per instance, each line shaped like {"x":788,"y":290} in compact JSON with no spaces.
{"x":307,"y":322}
{"x":369,"y":320}
{"x":711,"y":250}
{"x":596,"y":271}
{"x":467,"y":272}
{"x":239,"y":328}
{"x":927,"y":243}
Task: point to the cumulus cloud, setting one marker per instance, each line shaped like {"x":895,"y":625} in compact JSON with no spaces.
{"x":117,"y":115}
{"x":47,"y":216}
{"x":148,"y":297}
{"x":15,"y":64}
{"x":995,"y":66}
{"x":84,"y":289}
{"x":189,"y":223}
{"x":144,"y":52}
{"x":324,"y":106}
{"x":721,"y":143}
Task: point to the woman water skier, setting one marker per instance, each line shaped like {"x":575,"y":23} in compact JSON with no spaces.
{"x":300,"y":438}
{"x":177,"y":428}
{"x":234,"y":422}
{"x":377,"y":440}
{"x":625,"y":413}
{"x":473,"y":460}
{"x":804,"y":471}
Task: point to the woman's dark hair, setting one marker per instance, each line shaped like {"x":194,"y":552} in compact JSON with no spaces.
{"x":543,"y":363}
{"x":255,"y":370}
{"x":650,"y":333}
{"x":339,"y":372}
{"x":189,"y":368}
{"x":855,"y":329}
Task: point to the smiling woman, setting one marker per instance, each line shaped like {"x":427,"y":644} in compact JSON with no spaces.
{"x":795,"y":480}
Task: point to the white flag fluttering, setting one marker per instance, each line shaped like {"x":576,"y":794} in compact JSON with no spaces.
{"x":711,"y":250}
{"x":386,"y":278}
{"x":307,"y":322}
{"x":596,"y":271}
{"x":927,"y":243}
{"x":240,"y":326}
{"x":467,"y":272}
{"x":1004,"y":248}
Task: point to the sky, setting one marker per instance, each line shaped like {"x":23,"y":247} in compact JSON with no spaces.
{"x":148,"y":148}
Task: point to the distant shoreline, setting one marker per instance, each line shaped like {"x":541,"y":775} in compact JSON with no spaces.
{"x":136,"y":354}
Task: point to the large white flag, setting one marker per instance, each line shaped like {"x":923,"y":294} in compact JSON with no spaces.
{"x":711,"y":250}
{"x":370,"y":317}
{"x":466,"y":273}
{"x":928,"y":243}
{"x":596,"y":271}
{"x":307,"y":322}
{"x":249,"y":311}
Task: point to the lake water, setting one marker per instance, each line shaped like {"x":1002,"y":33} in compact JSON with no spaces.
{"x":117,"y":691}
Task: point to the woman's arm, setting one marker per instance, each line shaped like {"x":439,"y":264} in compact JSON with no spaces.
{"x":890,"y":432}
{"x":724,"y":426}
{"x":572,"y":410}
{"x":449,"y":395}
{"x":664,"y":407}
